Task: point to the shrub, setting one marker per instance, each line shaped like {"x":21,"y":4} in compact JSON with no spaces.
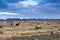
{"x":57,"y":35}
{"x":1,"y":32}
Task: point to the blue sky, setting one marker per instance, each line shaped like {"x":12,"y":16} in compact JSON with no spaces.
{"x":46,"y":9}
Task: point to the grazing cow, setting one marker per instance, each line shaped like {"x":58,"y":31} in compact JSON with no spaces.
{"x":37,"y":27}
{"x":17,"y":24}
{"x":11,"y":24}
{"x":48,"y":23}
{"x":0,"y":26}
{"x":55,"y":26}
{"x":52,"y":33}
{"x":58,"y":23}
{"x":38,"y":23}
{"x":59,"y":29}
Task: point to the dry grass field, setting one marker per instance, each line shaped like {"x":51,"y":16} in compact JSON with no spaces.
{"x":28,"y":30}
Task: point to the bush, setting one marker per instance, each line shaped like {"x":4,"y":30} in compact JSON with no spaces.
{"x":1,"y":32}
{"x":57,"y":35}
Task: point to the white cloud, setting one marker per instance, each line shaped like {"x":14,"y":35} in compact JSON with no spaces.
{"x":4,"y":15}
{"x":23,"y":4}
{"x":47,"y":10}
{"x":8,"y":13}
{"x":27,"y":3}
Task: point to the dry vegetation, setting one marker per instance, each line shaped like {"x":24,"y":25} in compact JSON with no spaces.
{"x":10,"y":30}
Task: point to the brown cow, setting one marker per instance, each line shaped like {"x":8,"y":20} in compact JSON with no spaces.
{"x":37,"y":27}
{"x":59,"y":29}
{"x":11,"y":24}
{"x":52,"y":33}
{"x":55,"y":26}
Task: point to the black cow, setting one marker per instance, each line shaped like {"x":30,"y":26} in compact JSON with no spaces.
{"x":17,"y":24}
{"x":0,"y":26}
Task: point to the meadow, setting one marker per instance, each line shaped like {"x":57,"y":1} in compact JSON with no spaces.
{"x":29,"y":30}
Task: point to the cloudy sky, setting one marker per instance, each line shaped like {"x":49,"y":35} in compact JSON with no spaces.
{"x":49,"y":9}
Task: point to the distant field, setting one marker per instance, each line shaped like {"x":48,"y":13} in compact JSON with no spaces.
{"x":16,"y":28}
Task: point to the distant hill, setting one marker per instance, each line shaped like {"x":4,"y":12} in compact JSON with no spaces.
{"x":18,"y":19}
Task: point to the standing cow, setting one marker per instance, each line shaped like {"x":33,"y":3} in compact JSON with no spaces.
{"x":37,"y":27}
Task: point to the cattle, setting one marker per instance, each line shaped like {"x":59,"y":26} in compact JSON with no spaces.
{"x":11,"y":24}
{"x":58,"y":23}
{"x":37,"y":27}
{"x":38,"y":23}
{"x":0,"y":26}
{"x":59,"y":29}
{"x":48,"y":23}
{"x":55,"y":26}
{"x":17,"y":24}
{"x":52,"y":33}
